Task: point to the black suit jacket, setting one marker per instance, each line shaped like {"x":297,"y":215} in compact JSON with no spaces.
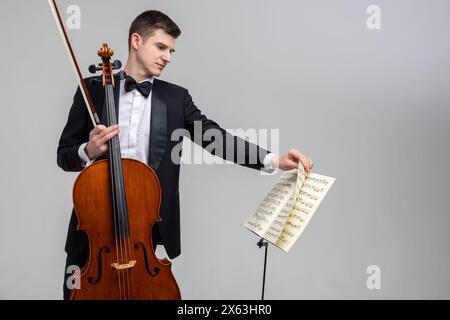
{"x":172,"y":108}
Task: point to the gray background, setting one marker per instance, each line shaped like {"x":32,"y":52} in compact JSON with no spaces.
{"x":371,"y":108}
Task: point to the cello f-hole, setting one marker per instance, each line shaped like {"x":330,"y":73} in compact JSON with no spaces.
{"x":99,"y":271}
{"x":144,"y":250}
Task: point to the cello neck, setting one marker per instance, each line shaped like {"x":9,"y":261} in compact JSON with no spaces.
{"x":119,"y":205}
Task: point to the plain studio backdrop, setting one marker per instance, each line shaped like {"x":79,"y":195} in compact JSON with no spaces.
{"x":370,"y":107}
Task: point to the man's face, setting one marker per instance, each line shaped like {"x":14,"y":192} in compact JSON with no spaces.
{"x":155,"y":52}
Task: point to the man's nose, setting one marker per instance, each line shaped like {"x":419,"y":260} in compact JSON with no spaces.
{"x":167,"y":57}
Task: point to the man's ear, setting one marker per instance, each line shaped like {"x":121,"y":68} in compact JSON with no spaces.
{"x":136,"y":41}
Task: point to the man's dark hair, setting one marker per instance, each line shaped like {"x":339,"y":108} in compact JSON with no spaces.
{"x":149,"y":21}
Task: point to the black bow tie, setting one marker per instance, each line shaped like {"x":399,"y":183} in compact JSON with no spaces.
{"x":144,"y":87}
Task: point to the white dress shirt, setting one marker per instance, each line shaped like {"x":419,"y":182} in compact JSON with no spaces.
{"x":134,"y":123}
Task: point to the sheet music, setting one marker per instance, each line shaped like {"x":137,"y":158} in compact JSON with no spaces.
{"x":271,"y":216}
{"x":287,"y":209}
{"x":308,"y":200}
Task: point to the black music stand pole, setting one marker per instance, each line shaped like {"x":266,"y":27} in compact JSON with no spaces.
{"x":263,"y":243}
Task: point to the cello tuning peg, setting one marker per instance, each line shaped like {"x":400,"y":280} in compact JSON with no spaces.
{"x":116,"y":64}
{"x":93,"y":68}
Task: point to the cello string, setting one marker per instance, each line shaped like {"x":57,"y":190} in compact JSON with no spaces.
{"x":124,"y":220}
{"x":113,"y":193}
{"x":124,"y":231}
{"x":130,"y":271}
{"x":118,"y":245}
{"x":121,"y":203}
{"x":110,"y":115}
{"x":127,"y":222}
{"x":126,"y":234}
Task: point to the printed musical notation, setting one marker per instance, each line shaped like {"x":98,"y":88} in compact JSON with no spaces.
{"x":287,"y":209}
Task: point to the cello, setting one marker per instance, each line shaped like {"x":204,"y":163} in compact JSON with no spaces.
{"x":117,"y":202}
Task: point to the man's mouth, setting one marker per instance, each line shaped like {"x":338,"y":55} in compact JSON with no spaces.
{"x":160,"y":65}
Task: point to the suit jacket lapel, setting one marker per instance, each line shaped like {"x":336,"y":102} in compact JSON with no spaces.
{"x":158,"y":126}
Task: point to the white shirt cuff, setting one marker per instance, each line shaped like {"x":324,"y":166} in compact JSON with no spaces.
{"x":85,"y":161}
{"x":268,"y":164}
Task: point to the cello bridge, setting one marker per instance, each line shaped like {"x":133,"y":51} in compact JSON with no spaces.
{"x":119,"y":266}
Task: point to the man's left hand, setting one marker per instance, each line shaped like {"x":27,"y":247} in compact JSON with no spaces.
{"x":291,"y":160}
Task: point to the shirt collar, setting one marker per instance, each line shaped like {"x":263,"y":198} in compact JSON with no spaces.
{"x":149,"y":79}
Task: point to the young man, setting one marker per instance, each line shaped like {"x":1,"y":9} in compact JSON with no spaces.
{"x":150,"y":110}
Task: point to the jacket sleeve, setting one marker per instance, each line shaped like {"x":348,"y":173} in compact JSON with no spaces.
{"x":74,"y":134}
{"x":218,"y":141}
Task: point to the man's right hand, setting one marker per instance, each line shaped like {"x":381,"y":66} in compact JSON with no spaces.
{"x":98,"y":140}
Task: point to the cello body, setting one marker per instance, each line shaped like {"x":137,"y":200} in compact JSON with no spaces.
{"x":149,"y":277}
